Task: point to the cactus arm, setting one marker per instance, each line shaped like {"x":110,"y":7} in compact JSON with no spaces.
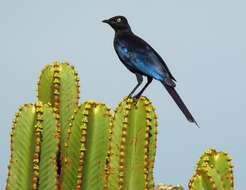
{"x":22,"y":148}
{"x":59,"y":85}
{"x":32,"y":150}
{"x":214,"y":171}
{"x":132,"y":146}
{"x":86,"y":148}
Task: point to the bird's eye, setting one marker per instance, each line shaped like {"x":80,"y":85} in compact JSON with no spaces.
{"x":118,"y":20}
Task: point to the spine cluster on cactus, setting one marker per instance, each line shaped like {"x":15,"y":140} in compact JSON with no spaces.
{"x":34,"y":147}
{"x":213,"y":172}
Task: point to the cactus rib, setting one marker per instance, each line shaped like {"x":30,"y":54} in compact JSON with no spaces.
{"x":151,"y":141}
{"x":38,"y":138}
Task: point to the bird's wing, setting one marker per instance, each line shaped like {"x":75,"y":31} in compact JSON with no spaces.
{"x":164,"y":65}
{"x":146,"y":58}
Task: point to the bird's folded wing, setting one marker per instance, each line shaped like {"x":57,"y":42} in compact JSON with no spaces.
{"x":145,"y":58}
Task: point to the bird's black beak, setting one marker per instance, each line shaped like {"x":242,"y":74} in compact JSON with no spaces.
{"x":106,"y":21}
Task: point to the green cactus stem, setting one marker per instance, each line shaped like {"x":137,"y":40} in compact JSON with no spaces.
{"x":213,"y":172}
{"x":133,"y":145}
{"x":168,"y":187}
{"x":86,"y":148}
{"x":59,"y":85}
{"x":34,"y":147}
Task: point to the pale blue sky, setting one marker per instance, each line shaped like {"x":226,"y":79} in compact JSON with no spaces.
{"x":203,"y":43}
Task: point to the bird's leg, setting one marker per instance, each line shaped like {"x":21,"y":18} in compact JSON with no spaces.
{"x":140,"y":80}
{"x":145,"y":86}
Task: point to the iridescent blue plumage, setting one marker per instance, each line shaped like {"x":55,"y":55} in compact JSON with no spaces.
{"x":141,"y":59}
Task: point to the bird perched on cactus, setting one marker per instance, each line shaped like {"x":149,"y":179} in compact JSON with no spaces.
{"x":141,"y":59}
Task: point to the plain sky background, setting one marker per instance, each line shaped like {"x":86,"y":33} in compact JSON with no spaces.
{"x":203,"y":43}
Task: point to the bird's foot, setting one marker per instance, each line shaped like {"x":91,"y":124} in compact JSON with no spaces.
{"x":135,"y":100}
{"x":136,"y":97}
{"x":129,"y":96}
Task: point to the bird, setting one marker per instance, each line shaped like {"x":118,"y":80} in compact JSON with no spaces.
{"x":142,"y":60}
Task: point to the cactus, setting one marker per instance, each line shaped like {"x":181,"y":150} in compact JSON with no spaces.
{"x":133,"y":143}
{"x":59,"y":85}
{"x":213,"y":172}
{"x":34,"y":146}
{"x":168,"y":187}
{"x":86,"y":148}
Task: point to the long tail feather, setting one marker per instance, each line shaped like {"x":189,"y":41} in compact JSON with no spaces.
{"x":171,"y":90}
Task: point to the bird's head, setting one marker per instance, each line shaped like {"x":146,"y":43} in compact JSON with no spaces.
{"x":118,"y":23}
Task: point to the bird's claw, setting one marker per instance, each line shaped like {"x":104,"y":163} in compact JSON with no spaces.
{"x":136,"y":97}
{"x":129,"y":96}
{"x":135,"y":100}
